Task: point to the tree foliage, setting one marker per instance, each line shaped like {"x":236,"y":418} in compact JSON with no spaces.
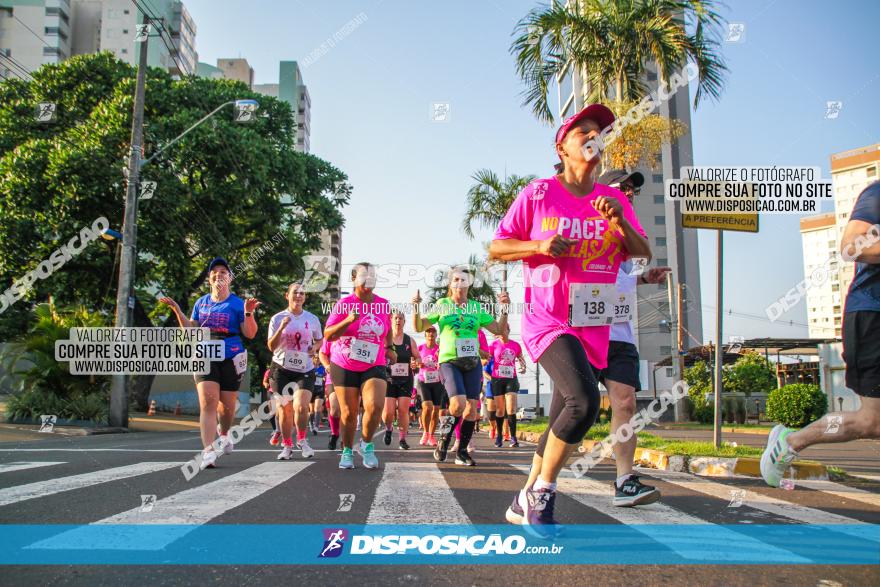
{"x":238,"y":190}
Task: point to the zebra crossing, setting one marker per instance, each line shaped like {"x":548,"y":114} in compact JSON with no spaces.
{"x":416,"y":492}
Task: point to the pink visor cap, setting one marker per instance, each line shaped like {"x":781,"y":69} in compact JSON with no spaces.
{"x":598,"y":113}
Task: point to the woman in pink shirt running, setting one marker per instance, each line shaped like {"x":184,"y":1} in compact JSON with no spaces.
{"x":571,"y":234}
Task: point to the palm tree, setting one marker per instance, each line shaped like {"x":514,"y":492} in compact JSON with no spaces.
{"x":488,"y":200}
{"x":612,"y":42}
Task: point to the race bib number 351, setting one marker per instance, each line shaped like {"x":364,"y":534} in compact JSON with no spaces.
{"x":363,"y":351}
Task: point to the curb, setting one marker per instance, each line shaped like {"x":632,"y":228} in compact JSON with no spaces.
{"x":67,"y":431}
{"x":705,"y":466}
{"x":153,"y":419}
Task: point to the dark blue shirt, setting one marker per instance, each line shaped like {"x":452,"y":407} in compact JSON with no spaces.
{"x":223,"y":318}
{"x":864,"y":292}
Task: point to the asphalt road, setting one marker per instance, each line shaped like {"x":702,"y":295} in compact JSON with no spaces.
{"x":102,"y":478}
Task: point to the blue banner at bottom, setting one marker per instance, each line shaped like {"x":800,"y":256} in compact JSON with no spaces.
{"x":145,"y":544}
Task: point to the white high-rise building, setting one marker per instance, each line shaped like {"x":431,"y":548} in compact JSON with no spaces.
{"x":33,"y":33}
{"x":820,"y":244}
{"x":851,"y":172}
{"x":111,"y":25}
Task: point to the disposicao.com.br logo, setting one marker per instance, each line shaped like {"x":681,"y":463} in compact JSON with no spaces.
{"x":430,"y":544}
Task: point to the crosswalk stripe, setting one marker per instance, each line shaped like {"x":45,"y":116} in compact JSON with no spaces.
{"x":839,"y":490}
{"x":52,"y":486}
{"x":415,"y":493}
{"x":9,"y":467}
{"x":653,"y":521}
{"x":865,"y":476}
{"x":179,"y":513}
{"x":758,"y":501}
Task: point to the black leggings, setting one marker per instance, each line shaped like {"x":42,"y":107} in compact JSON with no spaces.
{"x":575,"y":402}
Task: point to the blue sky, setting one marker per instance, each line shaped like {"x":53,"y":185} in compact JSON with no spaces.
{"x":372,"y":94}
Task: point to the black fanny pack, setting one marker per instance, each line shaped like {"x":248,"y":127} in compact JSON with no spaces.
{"x":466,"y":363}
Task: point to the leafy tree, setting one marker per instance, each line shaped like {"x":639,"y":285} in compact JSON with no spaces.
{"x":751,"y":373}
{"x":488,"y":200}
{"x":238,"y":190}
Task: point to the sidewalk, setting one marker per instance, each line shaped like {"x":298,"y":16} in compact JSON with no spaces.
{"x":857,"y":456}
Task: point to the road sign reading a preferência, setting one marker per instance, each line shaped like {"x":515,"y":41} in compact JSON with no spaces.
{"x":737,"y":222}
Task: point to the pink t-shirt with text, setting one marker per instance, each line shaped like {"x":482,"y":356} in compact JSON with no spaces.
{"x":504,"y":355}
{"x":544,"y":208}
{"x":372,"y":324}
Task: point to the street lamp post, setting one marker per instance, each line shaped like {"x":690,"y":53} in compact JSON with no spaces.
{"x":118,"y":415}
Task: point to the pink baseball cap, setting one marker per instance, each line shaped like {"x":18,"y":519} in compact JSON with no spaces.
{"x":599,"y":113}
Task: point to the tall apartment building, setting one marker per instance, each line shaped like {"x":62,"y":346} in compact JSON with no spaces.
{"x":110,"y":25}
{"x":36,"y":32}
{"x":671,"y":244}
{"x":33,"y":33}
{"x":820,"y":244}
{"x":851,"y":172}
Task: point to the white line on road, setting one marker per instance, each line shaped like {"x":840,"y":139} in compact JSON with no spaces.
{"x":242,"y":450}
{"x":9,"y":467}
{"x":52,"y":486}
{"x":180,"y":512}
{"x":772,"y":505}
{"x":724,"y":546}
{"x":839,"y":490}
{"x":415,"y":493}
{"x":865,"y":476}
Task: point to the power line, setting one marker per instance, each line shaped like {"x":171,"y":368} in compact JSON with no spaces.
{"x":42,"y":40}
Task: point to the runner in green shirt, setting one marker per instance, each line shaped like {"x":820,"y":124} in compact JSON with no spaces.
{"x":458,"y":321}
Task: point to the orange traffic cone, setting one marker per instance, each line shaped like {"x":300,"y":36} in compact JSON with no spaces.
{"x":152,"y":410}
{"x":177,"y":409}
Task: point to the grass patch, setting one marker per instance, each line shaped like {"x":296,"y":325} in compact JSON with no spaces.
{"x":652,"y":441}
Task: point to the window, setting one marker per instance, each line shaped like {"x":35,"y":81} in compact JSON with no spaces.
{"x":124,"y":51}
{"x":658,"y":198}
{"x":665,"y":349}
{"x":55,"y":11}
{"x":660,"y":220}
{"x":835,"y":287}
{"x":124,"y":31}
{"x":652,"y":77}
{"x":51,"y":51}
{"x":661,"y":241}
{"x":657,"y":177}
{"x":662,"y":262}
{"x":125,"y":11}
{"x":50,"y":30}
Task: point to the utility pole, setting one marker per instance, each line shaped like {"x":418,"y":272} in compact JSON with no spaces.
{"x":682,"y":341}
{"x":674,"y":348}
{"x":118,"y":416}
{"x":719,"y":348}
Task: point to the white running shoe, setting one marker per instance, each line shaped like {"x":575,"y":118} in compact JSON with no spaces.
{"x":777,"y":456}
{"x":307,"y":451}
{"x":360,"y":447}
{"x":227,"y":445}
{"x":209,"y":457}
{"x":286,"y":454}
